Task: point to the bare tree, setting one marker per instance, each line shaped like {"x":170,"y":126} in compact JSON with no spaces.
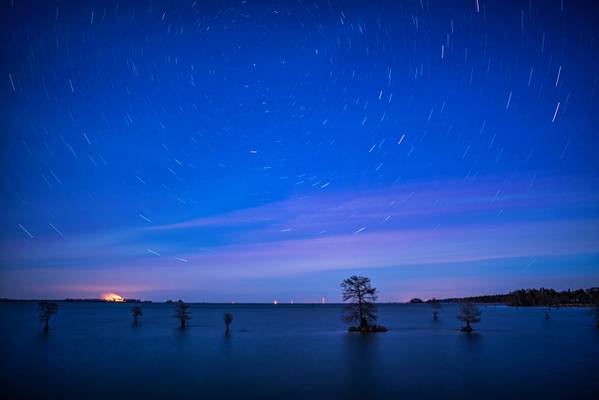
{"x":228,"y":318}
{"x":136,"y":312}
{"x":470,"y":314}
{"x":46,"y":310}
{"x":182,"y":313}
{"x":546,"y":314}
{"x":549,"y":303}
{"x":436,"y":305}
{"x":360,"y":297}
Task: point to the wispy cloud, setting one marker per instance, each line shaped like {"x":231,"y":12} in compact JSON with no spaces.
{"x":419,"y":224}
{"x":455,"y":202}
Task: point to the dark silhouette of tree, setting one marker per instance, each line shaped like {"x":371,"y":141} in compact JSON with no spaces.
{"x":436,"y":305}
{"x":597,"y":314}
{"x":228,"y":318}
{"x":470,"y":314}
{"x":537,"y":297}
{"x":182,"y":313}
{"x":136,"y":312}
{"x":360,"y":297}
{"x":46,"y":310}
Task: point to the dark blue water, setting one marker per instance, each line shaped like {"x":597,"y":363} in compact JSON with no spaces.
{"x":299,"y":351}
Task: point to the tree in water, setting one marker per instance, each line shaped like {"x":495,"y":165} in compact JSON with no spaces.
{"x":182,"y":313}
{"x":360,"y":309}
{"x":228,"y":318}
{"x":597,"y":314}
{"x":136,"y":312}
{"x":436,"y":305}
{"x":470,"y":314}
{"x":46,"y":310}
{"x":548,"y":302}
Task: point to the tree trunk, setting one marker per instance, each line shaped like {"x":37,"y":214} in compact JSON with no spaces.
{"x":361,"y":311}
{"x":468,"y":327}
{"x":135,"y":320}
{"x":227,"y":330}
{"x":46,"y":327}
{"x":435,"y":316}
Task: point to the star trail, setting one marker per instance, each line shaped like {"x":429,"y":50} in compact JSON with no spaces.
{"x":251,"y":150}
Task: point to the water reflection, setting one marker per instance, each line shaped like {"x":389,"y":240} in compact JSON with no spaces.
{"x":295,"y":352}
{"x":360,"y":363}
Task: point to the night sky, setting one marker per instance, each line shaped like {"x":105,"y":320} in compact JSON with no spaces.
{"x":251,"y":151}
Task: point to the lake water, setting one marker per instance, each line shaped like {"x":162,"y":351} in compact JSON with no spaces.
{"x":296,"y":351}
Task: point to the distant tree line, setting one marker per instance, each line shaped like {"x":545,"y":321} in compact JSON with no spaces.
{"x":536,"y":297}
{"x":70,"y":300}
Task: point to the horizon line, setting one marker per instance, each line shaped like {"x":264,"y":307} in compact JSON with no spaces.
{"x":277,"y":302}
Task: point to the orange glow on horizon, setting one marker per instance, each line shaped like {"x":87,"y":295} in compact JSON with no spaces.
{"x":113,"y":297}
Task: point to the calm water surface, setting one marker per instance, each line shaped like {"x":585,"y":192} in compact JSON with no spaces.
{"x":295,"y":351}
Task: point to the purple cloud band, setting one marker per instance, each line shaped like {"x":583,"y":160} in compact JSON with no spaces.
{"x":418,"y":224}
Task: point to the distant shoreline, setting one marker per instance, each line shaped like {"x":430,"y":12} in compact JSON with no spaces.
{"x":541,"y":297}
{"x":519,"y":298}
{"x":296,"y":304}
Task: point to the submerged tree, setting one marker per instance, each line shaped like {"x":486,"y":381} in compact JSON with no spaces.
{"x":228,"y":318}
{"x":360,"y":309}
{"x":436,"y":305}
{"x":547,"y":316}
{"x":136,"y":312}
{"x":470,"y":314}
{"x":182,"y":313}
{"x":46,"y":310}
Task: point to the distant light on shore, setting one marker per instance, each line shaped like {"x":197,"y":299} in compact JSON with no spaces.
{"x":113,"y":297}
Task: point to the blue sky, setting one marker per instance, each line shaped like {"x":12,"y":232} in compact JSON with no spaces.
{"x":247,"y":151}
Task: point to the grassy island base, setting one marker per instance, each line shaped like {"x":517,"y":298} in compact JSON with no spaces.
{"x":368,"y":329}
